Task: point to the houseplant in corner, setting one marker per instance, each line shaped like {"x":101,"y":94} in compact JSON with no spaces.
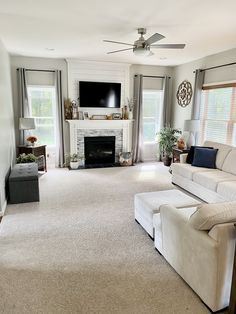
{"x":73,"y":159}
{"x":167,"y":139}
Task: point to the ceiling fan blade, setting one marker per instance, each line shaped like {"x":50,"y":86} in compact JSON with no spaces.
{"x":119,"y":50}
{"x":117,"y":42}
{"x":169,"y":46}
{"x":154,"y":38}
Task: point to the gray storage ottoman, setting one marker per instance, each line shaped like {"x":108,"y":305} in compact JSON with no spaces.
{"x":23,"y":183}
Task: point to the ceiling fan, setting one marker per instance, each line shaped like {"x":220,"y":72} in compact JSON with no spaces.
{"x":141,"y":47}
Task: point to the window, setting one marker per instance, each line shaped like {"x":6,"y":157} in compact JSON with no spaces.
{"x":152,"y":108}
{"x":42,"y":102}
{"x":218,"y":114}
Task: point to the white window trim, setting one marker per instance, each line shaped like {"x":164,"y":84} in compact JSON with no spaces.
{"x":54,"y":109}
{"x":153,"y":91}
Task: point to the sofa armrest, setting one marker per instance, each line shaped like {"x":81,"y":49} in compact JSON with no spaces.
{"x":223,"y":232}
{"x":182,"y":158}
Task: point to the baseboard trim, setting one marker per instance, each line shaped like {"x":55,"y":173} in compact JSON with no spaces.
{"x":4,"y":206}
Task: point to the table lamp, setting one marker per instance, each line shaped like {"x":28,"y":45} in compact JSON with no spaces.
{"x":26,"y":124}
{"x":191,"y":126}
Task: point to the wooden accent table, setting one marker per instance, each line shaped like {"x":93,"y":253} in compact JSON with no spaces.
{"x":37,"y":151}
{"x":177,"y":152}
{"x":232,"y":304}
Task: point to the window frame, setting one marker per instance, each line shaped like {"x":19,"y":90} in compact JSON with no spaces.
{"x":52,"y":87}
{"x":231,"y":121}
{"x":155,"y":118}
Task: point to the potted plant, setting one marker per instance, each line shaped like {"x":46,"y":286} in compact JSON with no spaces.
{"x":167,"y":139}
{"x":73,"y":160}
{"x":26,"y":158}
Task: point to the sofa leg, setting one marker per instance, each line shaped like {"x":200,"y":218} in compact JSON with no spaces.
{"x":150,"y":237}
{"x":158,"y":251}
{"x":214,"y":312}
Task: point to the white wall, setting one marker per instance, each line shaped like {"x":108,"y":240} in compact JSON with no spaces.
{"x":185,"y":72}
{"x":40,"y":78}
{"x":7,"y":140}
{"x":98,"y":72}
{"x":150,"y":151}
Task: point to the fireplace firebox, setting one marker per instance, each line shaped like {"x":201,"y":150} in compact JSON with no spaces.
{"x":99,"y":151}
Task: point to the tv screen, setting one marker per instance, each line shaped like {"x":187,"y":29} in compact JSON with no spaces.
{"x":99,"y":94}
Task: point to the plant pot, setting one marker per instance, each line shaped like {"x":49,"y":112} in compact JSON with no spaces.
{"x":167,"y":161}
{"x":74,"y":165}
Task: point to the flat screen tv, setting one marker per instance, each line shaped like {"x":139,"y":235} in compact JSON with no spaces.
{"x":99,"y":94}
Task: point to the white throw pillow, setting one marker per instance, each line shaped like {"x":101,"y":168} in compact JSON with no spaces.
{"x":208,"y":215}
{"x":229,"y":164}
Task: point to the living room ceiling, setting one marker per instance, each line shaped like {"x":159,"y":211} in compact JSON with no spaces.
{"x":76,"y":28}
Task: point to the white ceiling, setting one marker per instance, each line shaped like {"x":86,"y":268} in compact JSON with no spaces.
{"x":76,"y":28}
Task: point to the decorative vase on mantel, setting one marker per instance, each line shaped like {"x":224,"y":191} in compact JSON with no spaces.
{"x":125,"y":113}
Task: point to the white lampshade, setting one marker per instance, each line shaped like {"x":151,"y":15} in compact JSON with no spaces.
{"x":27,"y":123}
{"x":192,"y":125}
{"x":141,"y":52}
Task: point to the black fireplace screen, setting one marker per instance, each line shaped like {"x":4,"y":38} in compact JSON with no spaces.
{"x":99,"y":150}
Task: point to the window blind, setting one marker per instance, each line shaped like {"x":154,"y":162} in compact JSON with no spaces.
{"x":218,"y":113}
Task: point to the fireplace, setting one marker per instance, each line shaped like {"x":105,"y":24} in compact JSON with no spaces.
{"x":99,"y":151}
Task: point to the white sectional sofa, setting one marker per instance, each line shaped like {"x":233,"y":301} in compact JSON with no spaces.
{"x":197,"y":240}
{"x":211,"y":185}
{"x":199,"y":244}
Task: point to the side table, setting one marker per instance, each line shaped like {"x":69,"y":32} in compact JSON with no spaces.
{"x":37,"y":151}
{"x":177,"y":152}
{"x":232,"y":304}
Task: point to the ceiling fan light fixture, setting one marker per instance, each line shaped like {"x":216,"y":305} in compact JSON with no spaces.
{"x":141,"y":51}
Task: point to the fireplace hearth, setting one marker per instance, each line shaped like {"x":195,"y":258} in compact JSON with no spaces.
{"x":99,"y":151}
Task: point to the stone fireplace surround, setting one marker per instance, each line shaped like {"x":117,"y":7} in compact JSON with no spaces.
{"x":121,"y":129}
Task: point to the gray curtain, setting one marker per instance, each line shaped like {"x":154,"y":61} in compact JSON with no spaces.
{"x":199,"y":80}
{"x":23,"y":99}
{"x":59,"y":121}
{"x":138,"y":117}
{"x":166,"y":113}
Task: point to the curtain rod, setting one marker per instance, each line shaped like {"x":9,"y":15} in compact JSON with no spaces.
{"x":217,"y":66}
{"x":154,"y":76}
{"x":35,"y":70}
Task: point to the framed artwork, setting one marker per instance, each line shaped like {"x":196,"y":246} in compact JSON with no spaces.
{"x":184,"y":93}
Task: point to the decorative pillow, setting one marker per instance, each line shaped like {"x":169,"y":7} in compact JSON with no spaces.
{"x":205,"y":157}
{"x":208,"y":215}
{"x":190,"y":156}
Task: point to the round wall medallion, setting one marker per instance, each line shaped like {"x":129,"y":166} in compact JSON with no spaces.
{"x":184,"y":93}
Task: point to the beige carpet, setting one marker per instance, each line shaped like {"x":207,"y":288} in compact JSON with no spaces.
{"x":80,"y":251}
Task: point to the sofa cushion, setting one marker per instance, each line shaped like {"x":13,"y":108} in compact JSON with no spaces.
{"x":227,"y":190}
{"x":189,"y":159}
{"x":210,"y":179}
{"x":223,"y":151}
{"x":205,"y":157}
{"x":209,"y":215}
{"x":186,"y":170}
{"x":229,"y":164}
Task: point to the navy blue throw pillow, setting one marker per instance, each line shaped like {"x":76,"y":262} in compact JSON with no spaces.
{"x":189,"y":159}
{"x":205,"y":157}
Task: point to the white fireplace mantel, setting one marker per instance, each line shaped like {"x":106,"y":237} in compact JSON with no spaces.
{"x":125,"y":125}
